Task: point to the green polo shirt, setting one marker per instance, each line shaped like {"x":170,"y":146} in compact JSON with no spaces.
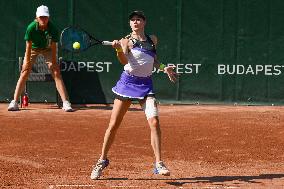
{"x":39,"y":38}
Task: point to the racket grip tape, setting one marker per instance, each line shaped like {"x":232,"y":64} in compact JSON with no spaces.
{"x":106,"y":43}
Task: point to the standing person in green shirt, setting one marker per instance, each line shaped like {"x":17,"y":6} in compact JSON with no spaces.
{"x":41,"y":40}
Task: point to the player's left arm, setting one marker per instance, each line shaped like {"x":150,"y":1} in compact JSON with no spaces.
{"x":156,"y":61}
{"x":169,"y":70}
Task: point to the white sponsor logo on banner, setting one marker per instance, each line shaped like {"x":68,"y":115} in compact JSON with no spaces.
{"x":221,"y":69}
{"x":257,"y":69}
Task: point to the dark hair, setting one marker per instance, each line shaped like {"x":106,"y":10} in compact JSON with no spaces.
{"x":137,"y":13}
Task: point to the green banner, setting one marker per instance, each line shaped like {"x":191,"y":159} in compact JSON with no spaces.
{"x":224,"y":51}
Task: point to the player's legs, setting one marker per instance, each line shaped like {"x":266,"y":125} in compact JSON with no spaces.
{"x":120,"y":107}
{"x":149,"y":105}
{"x":155,"y":136}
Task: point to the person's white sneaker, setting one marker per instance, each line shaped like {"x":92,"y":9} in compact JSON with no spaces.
{"x":67,"y":106}
{"x":161,"y":169}
{"x":13,"y":106}
{"x":98,"y":168}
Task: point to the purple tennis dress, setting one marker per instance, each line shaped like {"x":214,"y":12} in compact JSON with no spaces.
{"x":135,"y":81}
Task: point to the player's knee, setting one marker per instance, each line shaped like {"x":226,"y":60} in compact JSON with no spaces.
{"x":150,"y":108}
{"x":54,"y":68}
{"x":153,"y":122}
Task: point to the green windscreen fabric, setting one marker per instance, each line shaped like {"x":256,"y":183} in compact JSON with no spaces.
{"x":224,"y":51}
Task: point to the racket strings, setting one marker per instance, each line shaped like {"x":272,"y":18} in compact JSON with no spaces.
{"x":71,"y":35}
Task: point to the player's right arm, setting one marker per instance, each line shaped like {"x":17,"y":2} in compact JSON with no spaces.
{"x":121,"y":48}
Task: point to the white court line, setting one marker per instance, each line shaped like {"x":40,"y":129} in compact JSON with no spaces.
{"x":86,"y":185}
{"x":71,"y":185}
{"x":216,"y":187}
{"x":21,"y":161}
{"x":125,"y":186}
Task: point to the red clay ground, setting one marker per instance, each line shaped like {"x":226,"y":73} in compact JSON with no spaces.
{"x":203,"y":146}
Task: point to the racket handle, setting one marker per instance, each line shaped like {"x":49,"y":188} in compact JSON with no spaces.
{"x":106,"y":43}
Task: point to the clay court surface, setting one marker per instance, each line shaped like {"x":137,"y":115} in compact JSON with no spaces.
{"x":203,"y":146}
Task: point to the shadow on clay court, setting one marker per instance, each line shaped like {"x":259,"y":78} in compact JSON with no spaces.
{"x":100,"y":107}
{"x":33,"y":108}
{"x":218,"y":179}
{"x":211,"y":180}
{"x":77,"y":107}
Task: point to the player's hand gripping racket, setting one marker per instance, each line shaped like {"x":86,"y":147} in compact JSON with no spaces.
{"x":75,"y":39}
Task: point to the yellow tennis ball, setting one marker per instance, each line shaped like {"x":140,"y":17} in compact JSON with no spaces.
{"x":76,"y":45}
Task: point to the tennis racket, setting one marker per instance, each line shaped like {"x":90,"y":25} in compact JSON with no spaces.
{"x":71,"y":35}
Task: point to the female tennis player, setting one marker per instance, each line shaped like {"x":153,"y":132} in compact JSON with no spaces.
{"x":137,"y":52}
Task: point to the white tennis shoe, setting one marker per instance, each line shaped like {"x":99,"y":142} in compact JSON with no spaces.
{"x":161,"y":169}
{"x":13,"y":106}
{"x":67,"y":106}
{"x":98,"y":168}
